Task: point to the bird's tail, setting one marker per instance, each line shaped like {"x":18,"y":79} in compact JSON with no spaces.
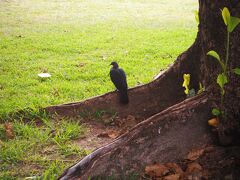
{"x":124,"y":96}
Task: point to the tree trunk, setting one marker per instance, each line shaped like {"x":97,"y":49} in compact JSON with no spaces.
{"x":171,"y":127}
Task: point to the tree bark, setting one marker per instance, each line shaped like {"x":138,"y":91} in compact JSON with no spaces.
{"x":161,"y":138}
{"x":171,"y":127}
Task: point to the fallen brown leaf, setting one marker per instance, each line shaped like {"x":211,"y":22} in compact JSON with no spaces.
{"x":9,"y":130}
{"x":193,"y":167}
{"x":195,"y":154}
{"x":113,"y":134}
{"x":172,"y":177}
{"x":173,"y":167}
{"x":156,"y":170}
{"x":109,"y":134}
{"x":213,"y":122}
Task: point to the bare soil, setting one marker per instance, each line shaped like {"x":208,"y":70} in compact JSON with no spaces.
{"x":103,"y":131}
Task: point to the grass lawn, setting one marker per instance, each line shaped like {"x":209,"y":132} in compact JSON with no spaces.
{"x":75,"y":41}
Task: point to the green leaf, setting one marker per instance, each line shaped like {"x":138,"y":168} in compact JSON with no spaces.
{"x":216,"y":112}
{"x":201,"y":88}
{"x":226,"y":15}
{"x":215,"y":55}
{"x":222,"y":80}
{"x":234,"y":21}
{"x":196,"y":16}
{"x":237,"y":71}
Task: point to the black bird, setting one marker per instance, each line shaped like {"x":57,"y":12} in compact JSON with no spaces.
{"x":118,"y":78}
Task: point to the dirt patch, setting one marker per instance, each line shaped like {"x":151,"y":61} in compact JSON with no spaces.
{"x":103,"y":131}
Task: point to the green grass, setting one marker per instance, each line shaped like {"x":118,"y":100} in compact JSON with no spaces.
{"x":38,"y":145}
{"x":75,"y":41}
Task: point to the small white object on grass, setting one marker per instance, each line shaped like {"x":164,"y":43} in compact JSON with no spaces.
{"x":44,"y":75}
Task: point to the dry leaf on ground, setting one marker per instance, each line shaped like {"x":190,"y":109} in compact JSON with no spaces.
{"x":213,"y":122}
{"x":172,"y":177}
{"x":195,"y":154}
{"x":9,"y":130}
{"x":193,"y":167}
{"x":113,"y":134}
{"x":109,"y":134}
{"x":173,"y":167}
{"x":156,"y":170}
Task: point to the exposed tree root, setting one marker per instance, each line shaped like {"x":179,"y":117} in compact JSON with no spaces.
{"x":165,"y":137}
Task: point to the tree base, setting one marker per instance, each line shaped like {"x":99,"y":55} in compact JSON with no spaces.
{"x":165,"y":137}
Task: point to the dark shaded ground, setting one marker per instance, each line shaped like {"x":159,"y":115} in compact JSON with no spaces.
{"x":221,"y":163}
{"x":209,"y":162}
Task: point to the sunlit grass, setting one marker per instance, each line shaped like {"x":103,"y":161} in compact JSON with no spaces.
{"x":76,"y":41}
